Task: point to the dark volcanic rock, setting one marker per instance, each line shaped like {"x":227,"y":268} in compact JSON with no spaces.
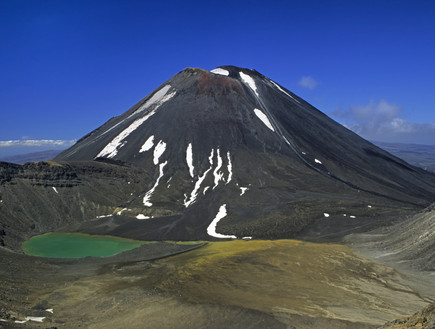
{"x":230,"y":142}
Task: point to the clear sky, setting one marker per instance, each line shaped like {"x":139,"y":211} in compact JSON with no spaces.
{"x":69,"y":66}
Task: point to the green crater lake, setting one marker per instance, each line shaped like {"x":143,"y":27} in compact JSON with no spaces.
{"x":77,"y":245}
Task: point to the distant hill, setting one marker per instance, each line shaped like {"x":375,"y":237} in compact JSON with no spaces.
{"x":31,"y":157}
{"x":418,"y":155}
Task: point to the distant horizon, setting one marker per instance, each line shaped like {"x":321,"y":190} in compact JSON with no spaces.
{"x":28,"y":150}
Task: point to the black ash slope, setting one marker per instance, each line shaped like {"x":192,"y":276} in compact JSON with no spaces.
{"x":233,"y":143}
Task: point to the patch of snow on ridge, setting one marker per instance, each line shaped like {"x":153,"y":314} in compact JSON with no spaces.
{"x":220,"y":71}
{"x":230,"y":168}
{"x":264,"y":119}
{"x":211,"y":229}
{"x":35,"y":318}
{"x":282,"y":90}
{"x":317,"y":161}
{"x":55,"y":190}
{"x":49,"y":310}
{"x":121,"y":211}
{"x":142,"y":216}
{"x":158,"y":97}
{"x":149,"y":143}
{"x":112,"y":148}
{"x":147,"y":197}
{"x":189,"y":159}
{"x":103,"y":216}
{"x":198,"y":183}
{"x":218,"y":175}
{"x":158,"y":151}
{"x":325,"y":214}
{"x":250,"y":82}
{"x":243,"y":190}
{"x":205,"y":189}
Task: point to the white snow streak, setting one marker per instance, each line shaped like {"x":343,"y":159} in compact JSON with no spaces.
{"x":189,"y":159}
{"x":247,"y":238}
{"x":317,"y":161}
{"x":229,"y":167}
{"x":198,"y":183}
{"x":158,"y":151}
{"x":325,"y":214}
{"x":205,"y":189}
{"x":112,"y":148}
{"x":243,"y":190}
{"x":55,"y":190}
{"x":263,"y":118}
{"x":103,"y":216}
{"x":369,"y":206}
{"x":49,"y":310}
{"x":35,"y":318}
{"x":352,"y":216}
{"x":282,"y":90}
{"x":147,"y":197}
{"x":158,"y":97}
{"x":149,"y":143}
{"x":31,"y":318}
{"x":220,"y":71}
{"x":218,"y":175}
{"x":142,"y":216}
{"x":249,"y":81}
{"x":121,"y":211}
{"x":211,"y":229}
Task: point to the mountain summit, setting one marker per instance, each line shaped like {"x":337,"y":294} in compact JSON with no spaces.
{"x":234,"y":144}
{"x":229,"y":153}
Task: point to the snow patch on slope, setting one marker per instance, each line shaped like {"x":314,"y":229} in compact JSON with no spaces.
{"x":158,"y":97}
{"x":111,"y":149}
{"x":263,"y":117}
{"x":220,"y":71}
{"x":211,"y":229}
{"x":158,"y":151}
{"x":230,"y":168}
{"x":217,"y":174}
{"x":55,"y":190}
{"x":198,"y":183}
{"x":249,"y":81}
{"x":282,"y":90}
{"x":149,"y":143}
{"x":189,"y":159}
{"x":243,"y":190}
{"x":147,"y":197}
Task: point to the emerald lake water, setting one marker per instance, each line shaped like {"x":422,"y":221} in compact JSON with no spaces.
{"x":77,"y":245}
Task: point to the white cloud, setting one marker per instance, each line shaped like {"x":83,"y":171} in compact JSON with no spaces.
{"x":308,"y":82}
{"x":382,"y":122}
{"x":37,"y":143}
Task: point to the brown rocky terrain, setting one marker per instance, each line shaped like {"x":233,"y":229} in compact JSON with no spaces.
{"x":424,"y":319}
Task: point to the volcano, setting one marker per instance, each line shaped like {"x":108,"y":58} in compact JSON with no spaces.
{"x":222,"y":154}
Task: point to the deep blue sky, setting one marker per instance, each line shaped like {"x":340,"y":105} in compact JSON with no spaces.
{"x":68,"y":66}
